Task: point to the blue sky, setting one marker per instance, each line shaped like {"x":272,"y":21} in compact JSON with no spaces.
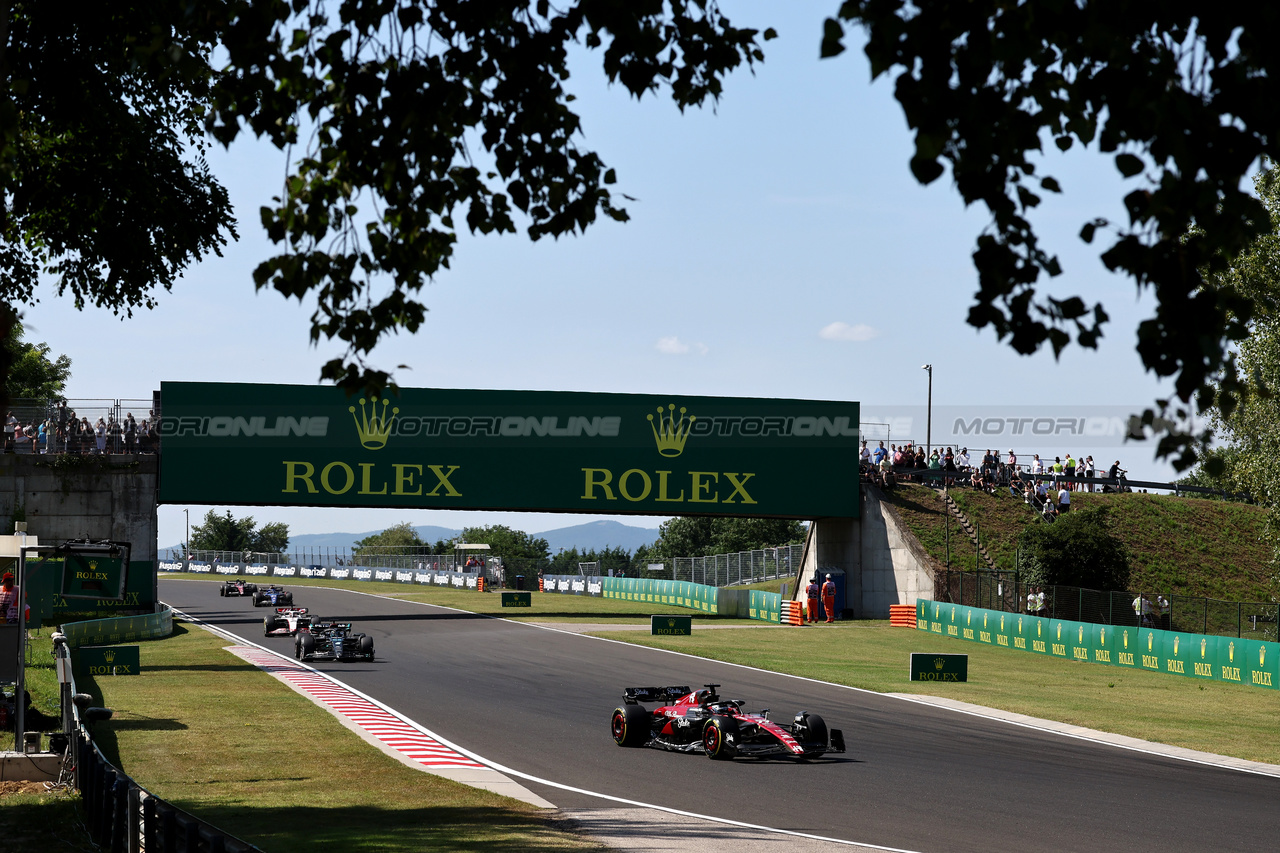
{"x":778,"y":247}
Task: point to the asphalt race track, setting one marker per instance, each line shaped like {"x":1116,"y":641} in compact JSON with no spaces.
{"x":915,"y":777}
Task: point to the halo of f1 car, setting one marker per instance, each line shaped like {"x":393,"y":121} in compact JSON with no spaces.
{"x":238,"y":586}
{"x":276,"y":596}
{"x":329,"y":640}
{"x":700,"y":721}
{"x":285,"y":621}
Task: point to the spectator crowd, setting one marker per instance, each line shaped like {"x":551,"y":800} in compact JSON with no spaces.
{"x":60,"y":430}
{"x":1046,"y":486}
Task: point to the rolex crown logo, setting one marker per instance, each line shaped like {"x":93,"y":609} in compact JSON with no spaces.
{"x":671,"y":623}
{"x":1203,"y":645}
{"x":669,"y":434}
{"x":373,"y":426}
{"x":939,"y":663}
{"x":93,"y":565}
{"x":109,"y":656}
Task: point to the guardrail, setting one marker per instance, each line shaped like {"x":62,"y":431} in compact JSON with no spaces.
{"x":1249,"y":620}
{"x":121,"y":816}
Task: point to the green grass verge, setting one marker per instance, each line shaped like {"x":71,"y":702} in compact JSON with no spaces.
{"x":219,"y":738}
{"x":873,"y":656}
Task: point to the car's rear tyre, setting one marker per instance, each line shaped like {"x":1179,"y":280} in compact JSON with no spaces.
{"x":286,"y":600}
{"x":269,"y":624}
{"x":223,"y":592}
{"x":630,"y":725}
{"x":716,"y":736}
{"x":257,"y":600}
{"x":251,"y":588}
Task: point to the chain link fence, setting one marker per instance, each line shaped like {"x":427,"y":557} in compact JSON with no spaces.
{"x":1250,"y":620}
{"x":743,"y":567}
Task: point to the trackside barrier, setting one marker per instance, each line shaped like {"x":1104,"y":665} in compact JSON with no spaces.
{"x":743,"y":603}
{"x":902,"y":615}
{"x":119,"y":629}
{"x":254,"y":571}
{"x":1209,"y":658}
{"x":121,"y":815}
{"x":792,"y":613}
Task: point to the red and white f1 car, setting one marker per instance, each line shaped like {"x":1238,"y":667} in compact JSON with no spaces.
{"x":700,"y":721}
{"x":285,"y":621}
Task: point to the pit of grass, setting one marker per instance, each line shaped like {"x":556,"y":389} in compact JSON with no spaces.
{"x":219,"y":738}
{"x":1213,"y":717}
{"x":50,"y":822}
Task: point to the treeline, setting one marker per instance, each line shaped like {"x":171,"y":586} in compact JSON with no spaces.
{"x":677,"y":537}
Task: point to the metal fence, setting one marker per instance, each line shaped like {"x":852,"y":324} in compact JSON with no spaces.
{"x":121,"y":816}
{"x":75,"y":431}
{"x":378,"y":557}
{"x":744,"y":567}
{"x":1250,"y":620}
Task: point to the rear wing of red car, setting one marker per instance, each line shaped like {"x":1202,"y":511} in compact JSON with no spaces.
{"x":633,"y":695}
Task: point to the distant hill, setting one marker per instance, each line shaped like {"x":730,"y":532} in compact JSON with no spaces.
{"x":426,"y":532}
{"x":593,"y":535}
{"x":598,"y":535}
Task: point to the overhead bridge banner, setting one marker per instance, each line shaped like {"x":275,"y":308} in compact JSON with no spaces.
{"x":292,"y":445}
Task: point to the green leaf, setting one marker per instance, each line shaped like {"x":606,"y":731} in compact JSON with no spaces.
{"x":1129,"y":165}
{"x":832,"y":38}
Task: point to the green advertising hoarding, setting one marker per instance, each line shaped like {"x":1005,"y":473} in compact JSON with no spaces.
{"x":288,"y":445}
{"x":1228,"y":659}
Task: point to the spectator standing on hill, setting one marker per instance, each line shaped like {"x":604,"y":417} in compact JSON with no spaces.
{"x":130,"y":434}
{"x":949,"y":465}
{"x":1090,"y":470}
{"x":864,"y":457}
{"x":1064,"y":500}
{"x":963,"y":464}
{"x":1069,"y":468}
{"x":814,"y":594}
{"x":919,"y":461}
{"x":1037,"y":465}
{"x":879,"y":454}
{"x":1013,"y":459}
{"x":1056,"y":470}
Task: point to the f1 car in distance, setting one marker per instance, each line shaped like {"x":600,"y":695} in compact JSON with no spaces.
{"x":285,"y":621}
{"x":700,"y":721}
{"x":276,"y":596}
{"x":329,"y":640}
{"x":237,"y":586}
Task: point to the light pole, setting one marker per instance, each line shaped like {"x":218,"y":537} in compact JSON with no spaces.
{"x":928,"y":429}
{"x":186,"y":544}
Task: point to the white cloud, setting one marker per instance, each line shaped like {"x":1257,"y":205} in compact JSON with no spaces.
{"x":674,"y":346}
{"x":841,"y":331}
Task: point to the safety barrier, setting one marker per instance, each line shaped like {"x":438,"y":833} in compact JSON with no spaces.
{"x":1228,"y":659}
{"x":120,"y":814}
{"x":902,"y":615}
{"x":792,"y":613}
{"x":119,"y":629}
{"x":743,"y":603}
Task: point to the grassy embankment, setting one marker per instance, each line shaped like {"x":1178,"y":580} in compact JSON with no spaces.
{"x":1187,"y":546}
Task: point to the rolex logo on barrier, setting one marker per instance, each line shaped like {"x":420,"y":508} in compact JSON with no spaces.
{"x":669,"y":434}
{"x":1203,"y":644}
{"x":373,"y":426}
{"x":1231,"y":652}
{"x":939,"y":663}
{"x":671,"y":623}
{"x":109,"y":655}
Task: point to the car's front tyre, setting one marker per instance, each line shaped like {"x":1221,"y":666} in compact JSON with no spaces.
{"x":716,"y":737}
